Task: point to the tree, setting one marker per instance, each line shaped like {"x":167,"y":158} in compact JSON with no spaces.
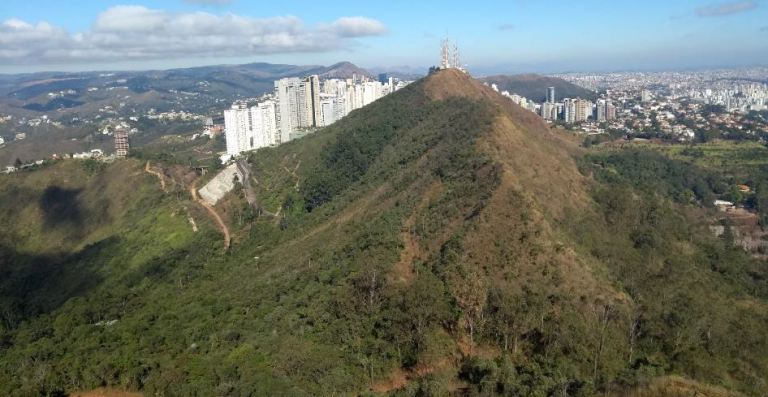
{"x":514,"y":314}
{"x":604,"y":313}
{"x":471,"y":294}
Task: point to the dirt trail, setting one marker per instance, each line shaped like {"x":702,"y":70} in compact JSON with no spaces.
{"x":411,"y":253}
{"x":214,"y":214}
{"x":102,"y":392}
{"x":293,"y":173}
{"x":159,"y":175}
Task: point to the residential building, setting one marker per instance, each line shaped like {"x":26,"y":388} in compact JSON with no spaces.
{"x":122,"y":145}
{"x":550,"y":95}
{"x":288,"y":105}
{"x":236,"y":125}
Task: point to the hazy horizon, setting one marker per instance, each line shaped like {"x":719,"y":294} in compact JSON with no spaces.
{"x":511,"y":35}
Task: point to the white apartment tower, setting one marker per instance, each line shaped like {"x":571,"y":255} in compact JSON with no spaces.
{"x":309,"y":102}
{"x":263,"y":129}
{"x":288,"y":102}
{"x":236,"y":126}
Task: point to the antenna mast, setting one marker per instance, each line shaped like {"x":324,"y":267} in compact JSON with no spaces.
{"x":445,"y":62}
{"x":456,"y":63}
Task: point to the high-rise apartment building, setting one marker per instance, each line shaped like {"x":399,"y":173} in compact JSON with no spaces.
{"x":311,"y":101}
{"x":236,"y":124}
{"x":297,"y":103}
{"x":263,"y":128}
{"x":287,"y":92}
{"x":550,"y":95}
{"x":583,"y":110}
{"x":569,"y":110}
{"x":600,"y":110}
{"x":122,"y":146}
{"x":549,"y":111}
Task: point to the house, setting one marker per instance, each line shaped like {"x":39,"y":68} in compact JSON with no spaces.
{"x":723,"y":205}
{"x":745,"y":188}
{"x":83,"y":155}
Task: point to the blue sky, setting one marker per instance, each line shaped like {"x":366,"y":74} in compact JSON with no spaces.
{"x":504,"y":36}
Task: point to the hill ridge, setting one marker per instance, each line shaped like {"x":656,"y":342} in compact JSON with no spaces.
{"x":441,"y":234}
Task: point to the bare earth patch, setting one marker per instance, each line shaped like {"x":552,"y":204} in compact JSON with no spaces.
{"x":106,"y":393}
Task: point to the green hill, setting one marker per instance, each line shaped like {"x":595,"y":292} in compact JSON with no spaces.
{"x":439,"y":241}
{"x":534,"y":87}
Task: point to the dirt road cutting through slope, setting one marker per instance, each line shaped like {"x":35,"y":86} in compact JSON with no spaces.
{"x":157,"y":174}
{"x":214,"y":214}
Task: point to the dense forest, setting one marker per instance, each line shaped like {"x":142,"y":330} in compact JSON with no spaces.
{"x":440,"y":241}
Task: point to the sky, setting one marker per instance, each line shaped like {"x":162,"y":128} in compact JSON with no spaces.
{"x":544,"y":36}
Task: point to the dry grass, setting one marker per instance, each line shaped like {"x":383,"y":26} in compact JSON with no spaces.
{"x":540,"y":183}
{"x":412,"y":252}
{"x":672,"y":386}
{"x":106,"y":393}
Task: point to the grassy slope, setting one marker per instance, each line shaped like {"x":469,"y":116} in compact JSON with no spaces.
{"x":85,"y":248}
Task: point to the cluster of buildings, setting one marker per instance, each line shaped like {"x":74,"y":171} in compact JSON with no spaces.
{"x":568,"y":110}
{"x":297,"y":107}
{"x":737,"y":90}
{"x":675,"y":106}
{"x":300,"y":105}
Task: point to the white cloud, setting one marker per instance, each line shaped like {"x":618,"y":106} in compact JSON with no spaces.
{"x":123,"y":33}
{"x":358,"y":27}
{"x":130,"y":19}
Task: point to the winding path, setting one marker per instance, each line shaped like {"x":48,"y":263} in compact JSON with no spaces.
{"x":214,"y":214}
{"x":158,"y":175}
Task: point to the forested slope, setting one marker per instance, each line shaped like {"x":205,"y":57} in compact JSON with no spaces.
{"x":439,"y":241}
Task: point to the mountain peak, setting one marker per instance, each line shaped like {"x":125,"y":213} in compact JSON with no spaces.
{"x":447,"y":83}
{"x":343,"y":69}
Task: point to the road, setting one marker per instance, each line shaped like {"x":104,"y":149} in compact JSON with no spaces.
{"x":157,"y":174}
{"x":214,"y":214}
{"x":244,"y":171}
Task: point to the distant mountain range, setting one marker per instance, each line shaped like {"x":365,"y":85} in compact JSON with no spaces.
{"x":534,"y":86}
{"x":64,"y":96}
{"x":191,"y":89}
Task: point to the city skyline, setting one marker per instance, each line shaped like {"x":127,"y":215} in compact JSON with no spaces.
{"x":498,"y":36}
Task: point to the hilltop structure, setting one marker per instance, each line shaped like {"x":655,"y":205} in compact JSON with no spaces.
{"x":451,"y":60}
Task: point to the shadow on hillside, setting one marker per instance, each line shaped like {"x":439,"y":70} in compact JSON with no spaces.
{"x":60,"y":207}
{"x":31,"y":285}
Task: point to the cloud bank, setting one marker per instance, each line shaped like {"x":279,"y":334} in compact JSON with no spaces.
{"x":722,"y":9}
{"x":138,"y":33}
